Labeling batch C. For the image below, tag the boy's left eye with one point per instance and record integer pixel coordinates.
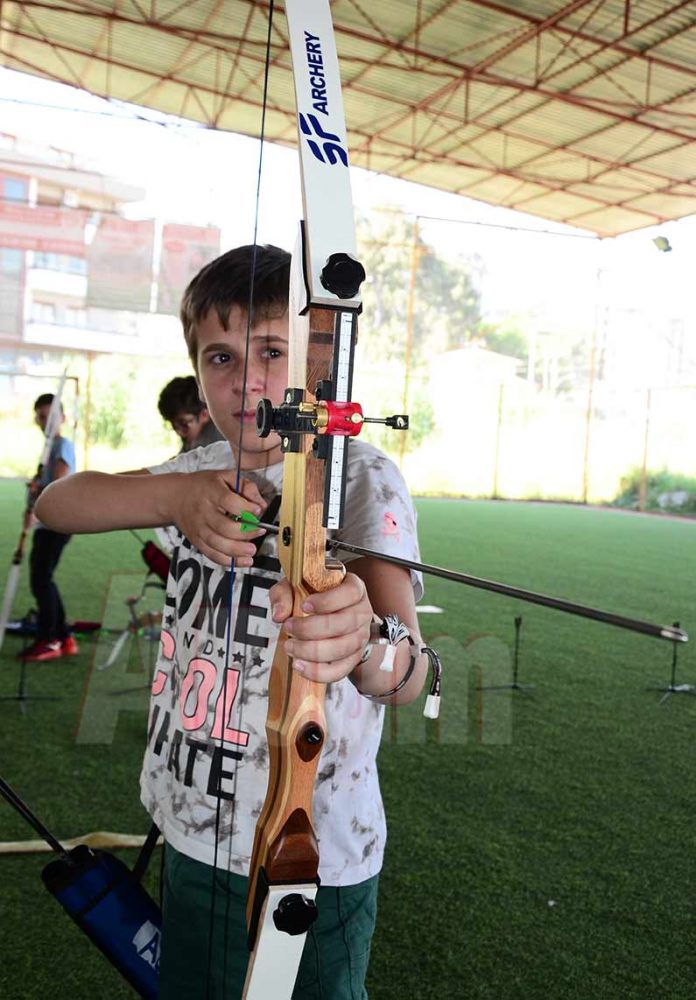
(272, 353)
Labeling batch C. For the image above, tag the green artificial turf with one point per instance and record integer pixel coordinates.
(541, 841)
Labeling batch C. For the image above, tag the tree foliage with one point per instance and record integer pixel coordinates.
(404, 271)
(504, 339)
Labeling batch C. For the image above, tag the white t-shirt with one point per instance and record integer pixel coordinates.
(185, 765)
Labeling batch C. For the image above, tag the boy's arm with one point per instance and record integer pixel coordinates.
(198, 503)
(98, 501)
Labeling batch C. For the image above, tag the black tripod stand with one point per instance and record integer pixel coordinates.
(515, 684)
(22, 697)
(673, 687)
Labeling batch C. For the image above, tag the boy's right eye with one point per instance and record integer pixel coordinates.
(220, 358)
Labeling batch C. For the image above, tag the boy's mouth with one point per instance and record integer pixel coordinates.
(245, 415)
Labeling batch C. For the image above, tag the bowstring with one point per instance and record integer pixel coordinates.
(239, 694)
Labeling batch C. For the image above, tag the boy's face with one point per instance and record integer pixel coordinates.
(220, 364)
(41, 416)
(189, 425)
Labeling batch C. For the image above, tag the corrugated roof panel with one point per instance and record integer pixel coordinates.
(502, 150)
(458, 179)
(648, 21)
(678, 163)
(465, 31)
(425, 86)
(638, 86)
(505, 104)
(619, 190)
(637, 179)
(609, 221)
(557, 205)
(682, 204)
(563, 123)
(558, 167)
(502, 190)
(679, 48)
(624, 142)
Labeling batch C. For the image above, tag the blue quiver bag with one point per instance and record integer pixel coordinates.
(106, 900)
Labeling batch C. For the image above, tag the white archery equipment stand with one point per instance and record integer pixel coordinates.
(329, 228)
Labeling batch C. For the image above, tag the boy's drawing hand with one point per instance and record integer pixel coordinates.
(201, 511)
(328, 643)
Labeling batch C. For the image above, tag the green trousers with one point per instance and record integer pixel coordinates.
(205, 957)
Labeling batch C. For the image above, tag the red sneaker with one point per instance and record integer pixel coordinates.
(69, 647)
(40, 651)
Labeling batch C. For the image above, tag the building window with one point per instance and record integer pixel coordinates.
(75, 316)
(60, 262)
(15, 189)
(11, 261)
(43, 312)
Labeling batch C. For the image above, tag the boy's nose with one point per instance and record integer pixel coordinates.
(255, 380)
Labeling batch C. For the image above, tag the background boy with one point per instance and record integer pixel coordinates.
(180, 404)
(205, 797)
(53, 638)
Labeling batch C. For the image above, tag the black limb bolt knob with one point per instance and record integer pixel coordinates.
(295, 914)
(264, 417)
(343, 275)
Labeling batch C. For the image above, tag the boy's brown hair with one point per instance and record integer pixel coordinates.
(255, 278)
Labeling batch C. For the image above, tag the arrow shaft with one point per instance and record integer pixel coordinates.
(671, 632)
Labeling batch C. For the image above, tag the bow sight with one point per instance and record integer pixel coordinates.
(324, 418)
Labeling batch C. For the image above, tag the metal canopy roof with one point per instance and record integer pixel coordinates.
(582, 112)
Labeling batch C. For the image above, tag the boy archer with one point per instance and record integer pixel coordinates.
(188, 771)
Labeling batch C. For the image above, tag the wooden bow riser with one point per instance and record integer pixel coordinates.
(285, 846)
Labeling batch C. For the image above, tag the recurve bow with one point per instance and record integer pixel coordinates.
(315, 421)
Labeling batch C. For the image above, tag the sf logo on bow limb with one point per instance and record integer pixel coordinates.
(325, 145)
(330, 150)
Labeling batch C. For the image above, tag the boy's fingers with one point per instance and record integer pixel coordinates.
(328, 626)
(218, 545)
(232, 503)
(223, 523)
(223, 557)
(325, 673)
(348, 593)
(326, 651)
(250, 491)
(280, 596)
